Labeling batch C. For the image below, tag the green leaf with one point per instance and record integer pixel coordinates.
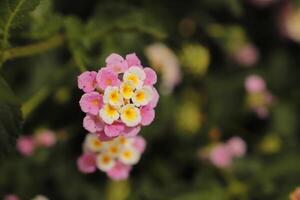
(10, 118)
(12, 14)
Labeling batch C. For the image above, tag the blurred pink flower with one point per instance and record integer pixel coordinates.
(255, 83)
(91, 103)
(86, 163)
(220, 156)
(236, 146)
(25, 145)
(119, 172)
(164, 60)
(116, 63)
(247, 55)
(93, 123)
(46, 138)
(106, 77)
(87, 81)
(11, 197)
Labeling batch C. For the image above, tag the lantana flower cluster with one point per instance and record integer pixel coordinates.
(259, 98)
(114, 157)
(119, 98)
(26, 145)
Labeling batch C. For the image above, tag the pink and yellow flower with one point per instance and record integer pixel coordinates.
(122, 100)
(91, 103)
(87, 81)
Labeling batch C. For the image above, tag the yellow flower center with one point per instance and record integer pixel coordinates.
(127, 154)
(130, 114)
(133, 78)
(114, 96)
(111, 111)
(106, 159)
(97, 143)
(113, 149)
(140, 96)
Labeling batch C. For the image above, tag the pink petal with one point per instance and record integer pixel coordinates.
(106, 77)
(87, 81)
(132, 60)
(148, 115)
(91, 103)
(86, 163)
(93, 123)
(114, 129)
(103, 137)
(119, 67)
(155, 98)
(131, 131)
(119, 172)
(139, 144)
(113, 58)
(151, 77)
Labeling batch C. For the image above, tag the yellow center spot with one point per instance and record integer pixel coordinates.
(97, 143)
(111, 110)
(105, 159)
(133, 78)
(127, 154)
(123, 141)
(114, 96)
(140, 96)
(130, 114)
(114, 150)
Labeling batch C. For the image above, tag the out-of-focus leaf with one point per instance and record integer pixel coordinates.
(45, 22)
(10, 118)
(12, 14)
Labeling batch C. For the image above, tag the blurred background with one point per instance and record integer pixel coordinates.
(228, 76)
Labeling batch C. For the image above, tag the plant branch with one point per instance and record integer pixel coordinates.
(32, 49)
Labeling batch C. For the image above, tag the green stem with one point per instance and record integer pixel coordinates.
(32, 49)
(35, 101)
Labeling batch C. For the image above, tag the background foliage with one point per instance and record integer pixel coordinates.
(45, 44)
